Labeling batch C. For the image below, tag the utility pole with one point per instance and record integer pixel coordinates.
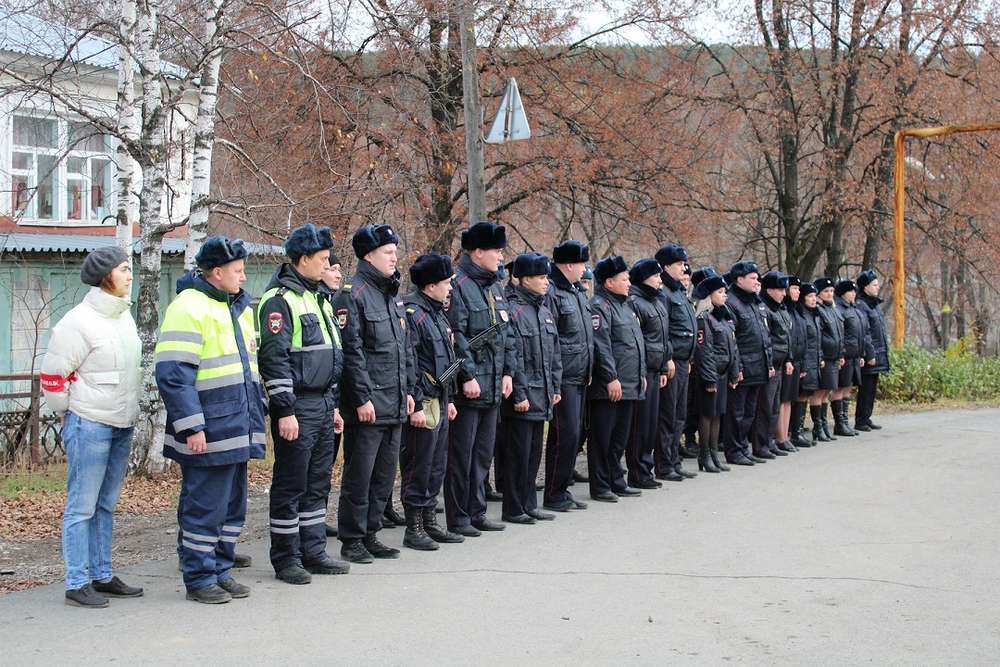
(473, 112)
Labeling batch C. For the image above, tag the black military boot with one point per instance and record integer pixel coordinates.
(798, 425)
(703, 460)
(355, 552)
(816, 413)
(437, 532)
(377, 549)
(840, 426)
(415, 537)
(390, 517)
(824, 422)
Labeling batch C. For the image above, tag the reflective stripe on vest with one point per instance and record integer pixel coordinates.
(304, 304)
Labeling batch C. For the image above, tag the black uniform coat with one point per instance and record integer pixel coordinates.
(378, 359)
(571, 310)
(797, 353)
(682, 321)
(752, 336)
(857, 340)
(310, 371)
(470, 313)
(779, 322)
(655, 322)
(619, 347)
(831, 331)
(869, 305)
(716, 356)
(430, 335)
(539, 375)
(813, 348)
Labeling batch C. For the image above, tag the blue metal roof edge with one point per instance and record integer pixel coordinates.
(82, 243)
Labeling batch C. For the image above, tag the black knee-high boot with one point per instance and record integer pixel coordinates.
(797, 431)
(824, 422)
(816, 413)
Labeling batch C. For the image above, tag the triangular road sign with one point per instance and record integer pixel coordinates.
(510, 124)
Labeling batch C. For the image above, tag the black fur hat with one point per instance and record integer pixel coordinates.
(570, 252)
(866, 277)
(370, 237)
(774, 280)
(807, 288)
(845, 286)
(430, 269)
(530, 264)
(670, 254)
(822, 283)
(710, 282)
(794, 281)
(484, 235)
(218, 250)
(687, 269)
(609, 267)
(701, 274)
(307, 240)
(743, 268)
(643, 269)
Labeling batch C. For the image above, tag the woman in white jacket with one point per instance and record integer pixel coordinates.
(90, 375)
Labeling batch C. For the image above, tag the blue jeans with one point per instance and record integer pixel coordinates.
(97, 458)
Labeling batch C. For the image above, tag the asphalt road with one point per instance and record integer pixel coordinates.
(881, 549)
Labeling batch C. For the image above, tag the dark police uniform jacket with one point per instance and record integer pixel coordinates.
(813, 348)
(716, 355)
(619, 347)
(869, 305)
(831, 331)
(316, 367)
(569, 306)
(655, 322)
(539, 375)
(779, 322)
(682, 320)
(476, 304)
(752, 336)
(797, 352)
(857, 339)
(378, 359)
(430, 336)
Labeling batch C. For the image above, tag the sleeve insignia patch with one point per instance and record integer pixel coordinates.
(701, 338)
(275, 323)
(595, 320)
(342, 317)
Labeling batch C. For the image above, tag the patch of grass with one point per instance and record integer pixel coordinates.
(929, 377)
(23, 483)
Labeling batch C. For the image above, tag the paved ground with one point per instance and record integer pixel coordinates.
(881, 549)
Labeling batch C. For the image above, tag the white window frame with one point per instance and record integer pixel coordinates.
(61, 177)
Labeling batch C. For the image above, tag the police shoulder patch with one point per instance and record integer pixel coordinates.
(275, 322)
(701, 337)
(503, 315)
(595, 320)
(342, 317)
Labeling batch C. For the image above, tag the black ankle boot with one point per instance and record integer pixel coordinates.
(390, 517)
(798, 424)
(437, 532)
(823, 421)
(816, 413)
(415, 537)
(703, 460)
(715, 459)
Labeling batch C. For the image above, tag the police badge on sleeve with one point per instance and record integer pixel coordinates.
(342, 317)
(275, 323)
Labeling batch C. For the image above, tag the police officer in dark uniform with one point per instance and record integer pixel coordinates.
(754, 343)
(619, 380)
(300, 364)
(500, 449)
(569, 304)
(791, 391)
(423, 453)
(645, 297)
(673, 398)
(479, 320)
(857, 348)
(832, 347)
(779, 324)
(378, 378)
(536, 388)
(868, 303)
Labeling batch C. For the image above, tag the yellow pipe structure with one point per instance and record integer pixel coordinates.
(899, 195)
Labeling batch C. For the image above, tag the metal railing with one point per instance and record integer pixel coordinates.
(28, 431)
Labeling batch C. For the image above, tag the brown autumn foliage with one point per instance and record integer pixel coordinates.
(779, 148)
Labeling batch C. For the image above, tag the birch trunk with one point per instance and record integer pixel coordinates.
(127, 212)
(151, 231)
(204, 136)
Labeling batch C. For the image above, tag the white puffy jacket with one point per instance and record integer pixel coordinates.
(92, 364)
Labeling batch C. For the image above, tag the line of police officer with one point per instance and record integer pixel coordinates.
(431, 381)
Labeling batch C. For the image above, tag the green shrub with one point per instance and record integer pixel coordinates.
(924, 376)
